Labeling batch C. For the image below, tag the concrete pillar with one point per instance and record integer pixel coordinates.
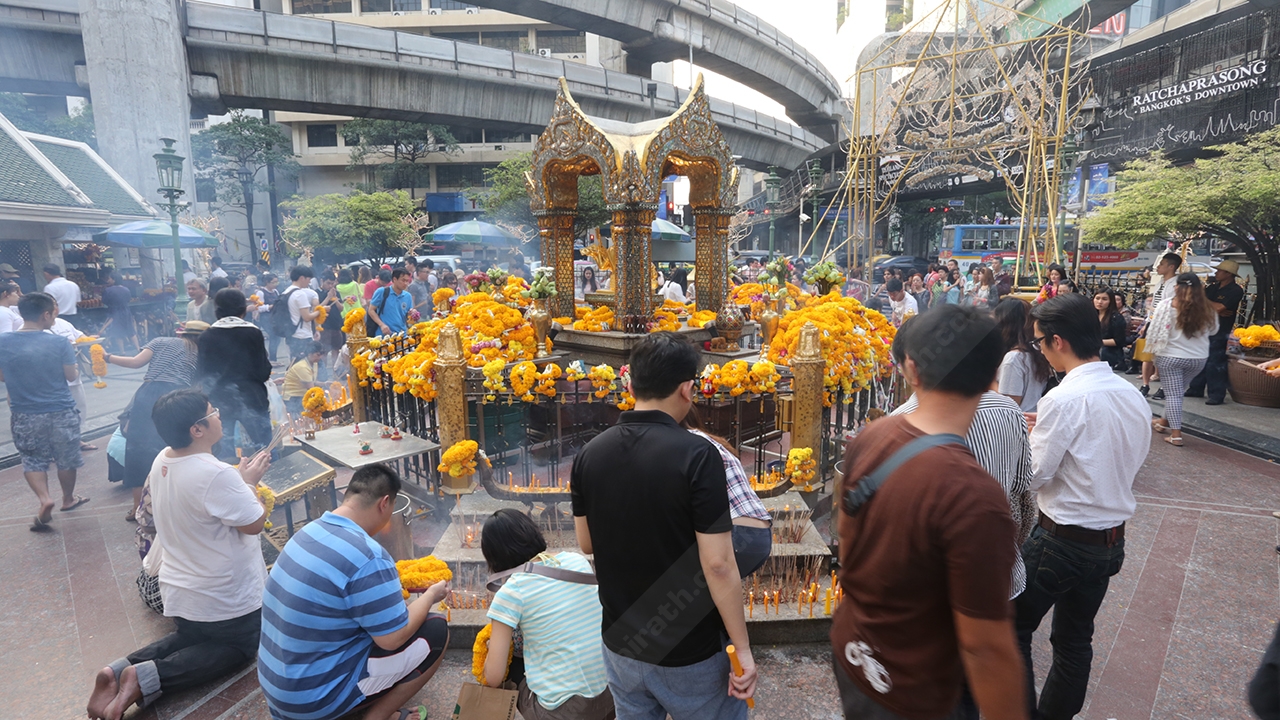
(136, 61)
(712, 237)
(632, 242)
(555, 227)
(808, 367)
(451, 401)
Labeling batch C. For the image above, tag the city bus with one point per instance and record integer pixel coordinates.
(972, 244)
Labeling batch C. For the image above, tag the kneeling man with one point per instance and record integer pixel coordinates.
(336, 633)
(207, 517)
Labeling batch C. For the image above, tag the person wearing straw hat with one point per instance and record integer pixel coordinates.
(1225, 295)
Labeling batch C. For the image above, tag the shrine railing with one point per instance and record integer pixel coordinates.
(407, 412)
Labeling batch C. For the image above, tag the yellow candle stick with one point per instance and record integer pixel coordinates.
(826, 603)
(751, 604)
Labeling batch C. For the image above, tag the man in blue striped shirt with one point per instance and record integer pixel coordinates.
(336, 634)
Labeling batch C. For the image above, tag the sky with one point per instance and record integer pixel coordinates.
(812, 24)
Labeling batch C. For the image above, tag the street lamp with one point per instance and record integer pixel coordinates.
(169, 168)
(817, 178)
(771, 185)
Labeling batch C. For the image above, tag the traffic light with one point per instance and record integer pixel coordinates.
(671, 209)
(932, 209)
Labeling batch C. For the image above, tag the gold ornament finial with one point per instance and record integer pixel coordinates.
(449, 347)
(810, 345)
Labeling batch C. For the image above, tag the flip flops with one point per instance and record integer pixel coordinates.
(1159, 427)
(78, 501)
(1174, 441)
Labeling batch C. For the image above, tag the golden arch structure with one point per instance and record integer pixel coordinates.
(632, 159)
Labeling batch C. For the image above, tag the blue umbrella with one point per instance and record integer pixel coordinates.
(663, 230)
(474, 232)
(154, 234)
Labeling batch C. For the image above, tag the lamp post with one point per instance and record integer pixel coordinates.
(169, 168)
(245, 175)
(817, 177)
(771, 185)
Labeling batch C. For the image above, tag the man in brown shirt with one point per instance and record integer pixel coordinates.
(926, 560)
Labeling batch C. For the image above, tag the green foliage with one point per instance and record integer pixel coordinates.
(506, 200)
(1233, 195)
(244, 142)
(362, 224)
(394, 147)
(78, 126)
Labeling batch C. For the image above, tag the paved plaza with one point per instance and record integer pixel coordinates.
(1179, 635)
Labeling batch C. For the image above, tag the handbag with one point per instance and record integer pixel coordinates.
(855, 497)
(1140, 353)
(481, 702)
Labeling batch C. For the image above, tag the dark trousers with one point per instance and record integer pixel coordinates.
(273, 344)
(1071, 578)
(198, 652)
(1214, 374)
(857, 705)
(751, 547)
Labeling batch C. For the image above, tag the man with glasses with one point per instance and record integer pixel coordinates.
(651, 502)
(207, 516)
(1089, 437)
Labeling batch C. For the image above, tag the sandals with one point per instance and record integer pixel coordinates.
(77, 502)
(1158, 427)
(1174, 441)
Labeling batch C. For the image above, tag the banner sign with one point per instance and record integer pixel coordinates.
(1219, 83)
(1099, 186)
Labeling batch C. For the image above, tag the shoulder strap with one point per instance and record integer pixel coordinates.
(857, 496)
(497, 580)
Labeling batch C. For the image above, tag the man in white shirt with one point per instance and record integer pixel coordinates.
(67, 330)
(1089, 437)
(65, 292)
(901, 303)
(1166, 279)
(303, 302)
(216, 271)
(207, 516)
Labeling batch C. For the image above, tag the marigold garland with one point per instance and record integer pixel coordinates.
(268, 498)
(323, 313)
(523, 376)
(626, 401)
(575, 372)
(665, 320)
(354, 318)
(597, 320)
(602, 378)
(99, 357)
(701, 318)
(1255, 335)
(422, 573)
(801, 467)
(493, 378)
(460, 459)
(480, 654)
(441, 297)
(763, 378)
(855, 343)
(314, 404)
(547, 380)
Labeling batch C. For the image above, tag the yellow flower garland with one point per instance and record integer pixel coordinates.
(701, 318)
(99, 357)
(480, 654)
(763, 378)
(323, 313)
(598, 320)
(523, 376)
(354, 318)
(314, 404)
(547, 380)
(602, 378)
(665, 320)
(1255, 335)
(460, 459)
(493, 380)
(422, 573)
(801, 467)
(855, 343)
(268, 498)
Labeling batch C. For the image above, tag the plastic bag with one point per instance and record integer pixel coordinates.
(277, 405)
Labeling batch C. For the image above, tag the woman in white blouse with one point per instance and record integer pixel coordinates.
(674, 289)
(1179, 338)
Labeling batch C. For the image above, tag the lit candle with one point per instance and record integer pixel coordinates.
(777, 599)
(751, 604)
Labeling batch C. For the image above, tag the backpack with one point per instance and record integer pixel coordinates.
(282, 324)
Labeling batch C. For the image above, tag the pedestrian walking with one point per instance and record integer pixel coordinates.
(926, 542)
(1179, 335)
(1166, 273)
(10, 294)
(267, 296)
(1225, 295)
(65, 329)
(1088, 440)
(171, 365)
(35, 367)
(650, 501)
(232, 367)
(301, 302)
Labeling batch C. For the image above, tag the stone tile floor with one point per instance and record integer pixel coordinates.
(1182, 629)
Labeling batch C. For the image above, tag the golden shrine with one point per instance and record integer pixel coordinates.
(632, 159)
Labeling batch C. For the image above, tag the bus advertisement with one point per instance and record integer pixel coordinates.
(972, 244)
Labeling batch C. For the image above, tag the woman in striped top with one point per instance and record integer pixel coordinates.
(559, 620)
(171, 365)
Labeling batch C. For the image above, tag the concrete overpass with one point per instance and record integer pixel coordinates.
(724, 38)
(241, 58)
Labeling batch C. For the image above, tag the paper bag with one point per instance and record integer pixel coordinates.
(479, 702)
(1140, 351)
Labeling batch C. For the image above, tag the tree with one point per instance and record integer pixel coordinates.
(506, 200)
(1233, 195)
(76, 126)
(241, 156)
(359, 224)
(394, 147)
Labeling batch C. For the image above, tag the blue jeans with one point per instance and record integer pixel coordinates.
(1071, 578)
(751, 547)
(700, 691)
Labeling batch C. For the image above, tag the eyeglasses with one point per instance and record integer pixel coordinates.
(216, 413)
(1035, 342)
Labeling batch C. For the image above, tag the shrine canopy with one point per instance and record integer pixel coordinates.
(632, 159)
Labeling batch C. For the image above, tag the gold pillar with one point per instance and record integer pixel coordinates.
(808, 367)
(555, 227)
(356, 343)
(451, 399)
(632, 233)
(712, 231)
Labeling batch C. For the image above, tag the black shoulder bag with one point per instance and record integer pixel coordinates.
(497, 580)
(852, 499)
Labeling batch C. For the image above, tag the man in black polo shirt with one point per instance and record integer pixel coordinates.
(1224, 295)
(651, 502)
